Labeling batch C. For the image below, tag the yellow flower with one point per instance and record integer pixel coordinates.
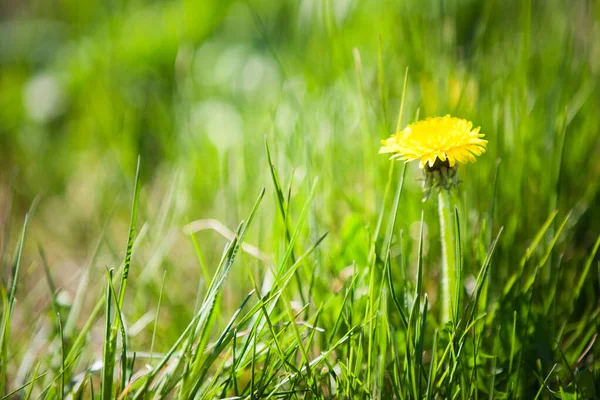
(444, 138)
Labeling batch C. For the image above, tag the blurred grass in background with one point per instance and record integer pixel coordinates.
(194, 87)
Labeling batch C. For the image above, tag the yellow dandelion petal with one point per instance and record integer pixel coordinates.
(445, 138)
(431, 159)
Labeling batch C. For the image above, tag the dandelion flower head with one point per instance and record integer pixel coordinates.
(449, 139)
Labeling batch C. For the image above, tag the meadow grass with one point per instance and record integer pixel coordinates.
(199, 211)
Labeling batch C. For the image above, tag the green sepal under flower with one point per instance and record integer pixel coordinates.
(440, 176)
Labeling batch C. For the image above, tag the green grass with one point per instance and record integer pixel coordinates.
(262, 248)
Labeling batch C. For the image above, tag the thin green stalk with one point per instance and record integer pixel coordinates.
(448, 258)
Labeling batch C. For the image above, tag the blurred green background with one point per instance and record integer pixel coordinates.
(194, 87)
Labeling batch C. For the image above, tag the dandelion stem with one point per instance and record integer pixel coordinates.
(448, 258)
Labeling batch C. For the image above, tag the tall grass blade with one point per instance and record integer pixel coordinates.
(9, 302)
(586, 269)
(108, 360)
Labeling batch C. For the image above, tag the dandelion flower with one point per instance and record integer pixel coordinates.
(447, 139)
(441, 143)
